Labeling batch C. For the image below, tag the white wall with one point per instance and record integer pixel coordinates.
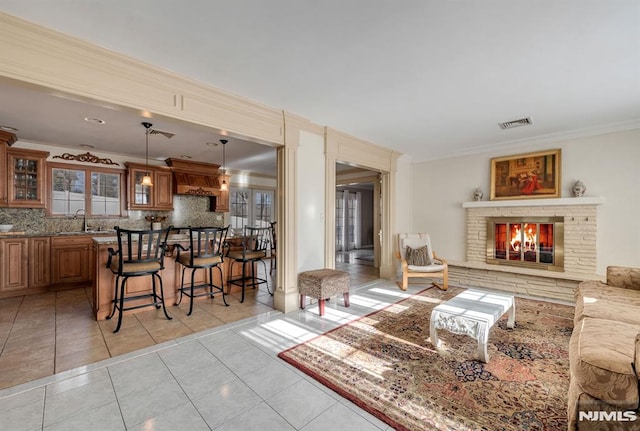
(609, 166)
(310, 176)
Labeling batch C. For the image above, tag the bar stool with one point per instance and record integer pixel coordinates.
(205, 251)
(140, 253)
(255, 242)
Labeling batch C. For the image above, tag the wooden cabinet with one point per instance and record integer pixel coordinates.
(163, 190)
(26, 178)
(24, 264)
(71, 260)
(156, 197)
(13, 264)
(3, 177)
(39, 262)
(6, 139)
(220, 202)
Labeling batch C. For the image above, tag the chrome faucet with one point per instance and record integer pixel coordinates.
(84, 218)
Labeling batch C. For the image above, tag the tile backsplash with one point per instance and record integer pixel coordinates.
(187, 211)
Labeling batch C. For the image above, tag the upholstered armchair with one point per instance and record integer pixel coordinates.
(417, 259)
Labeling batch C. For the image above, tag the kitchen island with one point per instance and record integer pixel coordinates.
(103, 287)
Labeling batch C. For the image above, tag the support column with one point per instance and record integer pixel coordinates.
(286, 297)
(286, 292)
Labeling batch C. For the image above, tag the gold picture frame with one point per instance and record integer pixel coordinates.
(526, 176)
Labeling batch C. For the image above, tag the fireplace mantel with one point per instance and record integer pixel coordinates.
(589, 200)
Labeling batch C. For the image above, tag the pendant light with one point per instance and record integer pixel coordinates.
(223, 187)
(146, 179)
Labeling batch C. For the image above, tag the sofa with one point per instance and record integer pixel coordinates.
(604, 363)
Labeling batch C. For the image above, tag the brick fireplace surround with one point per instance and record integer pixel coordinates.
(580, 233)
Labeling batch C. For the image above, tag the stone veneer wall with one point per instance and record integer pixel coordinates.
(580, 233)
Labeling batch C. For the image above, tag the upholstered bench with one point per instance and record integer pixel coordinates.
(323, 284)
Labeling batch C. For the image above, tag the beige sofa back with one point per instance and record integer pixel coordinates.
(623, 276)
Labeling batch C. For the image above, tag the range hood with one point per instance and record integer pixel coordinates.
(195, 178)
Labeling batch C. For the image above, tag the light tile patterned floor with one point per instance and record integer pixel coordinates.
(226, 377)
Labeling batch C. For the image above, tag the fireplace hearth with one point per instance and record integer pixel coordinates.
(531, 242)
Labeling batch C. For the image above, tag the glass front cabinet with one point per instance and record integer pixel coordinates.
(156, 197)
(26, 178)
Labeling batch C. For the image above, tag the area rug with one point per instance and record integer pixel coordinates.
(385, 363)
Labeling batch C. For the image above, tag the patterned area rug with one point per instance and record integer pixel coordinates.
(385, 363)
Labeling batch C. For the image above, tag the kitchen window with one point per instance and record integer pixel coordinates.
(98, 192)
(251, 207)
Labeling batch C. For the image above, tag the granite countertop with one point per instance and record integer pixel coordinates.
(173, 239)
(22, 234)
(99, 237)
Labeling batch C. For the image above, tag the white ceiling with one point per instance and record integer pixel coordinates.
(429, 78)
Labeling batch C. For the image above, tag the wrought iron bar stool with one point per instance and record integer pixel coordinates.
(205, 251)
(140, 253)
(255, 242)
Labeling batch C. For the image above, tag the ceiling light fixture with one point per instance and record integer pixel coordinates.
(8, 129)
(224, 186)
(94, 120)
(146, 180)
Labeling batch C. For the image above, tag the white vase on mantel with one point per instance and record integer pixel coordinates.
(578, 189)
(477, 194)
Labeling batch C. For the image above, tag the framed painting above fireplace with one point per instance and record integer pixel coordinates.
(525, 176)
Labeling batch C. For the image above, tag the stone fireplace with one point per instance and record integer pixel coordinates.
(537, 247)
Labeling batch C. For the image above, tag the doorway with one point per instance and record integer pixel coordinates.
(356, 218)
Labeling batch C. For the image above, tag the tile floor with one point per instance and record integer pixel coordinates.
(54, 332)
(175, 374)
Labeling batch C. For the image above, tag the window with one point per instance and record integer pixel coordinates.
(105, 193)
(339, 220)
(97, 191)
(252, 207)
(263, 208)
(348, 213)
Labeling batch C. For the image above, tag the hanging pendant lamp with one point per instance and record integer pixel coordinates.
(146, 180)
(224, 186)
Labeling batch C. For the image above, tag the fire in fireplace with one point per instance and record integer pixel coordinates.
(534, 242)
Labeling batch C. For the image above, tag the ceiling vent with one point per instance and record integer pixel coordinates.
(160, 132)
(516, 123)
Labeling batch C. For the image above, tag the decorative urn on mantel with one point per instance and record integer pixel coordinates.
(578, 189)
(477, 194)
